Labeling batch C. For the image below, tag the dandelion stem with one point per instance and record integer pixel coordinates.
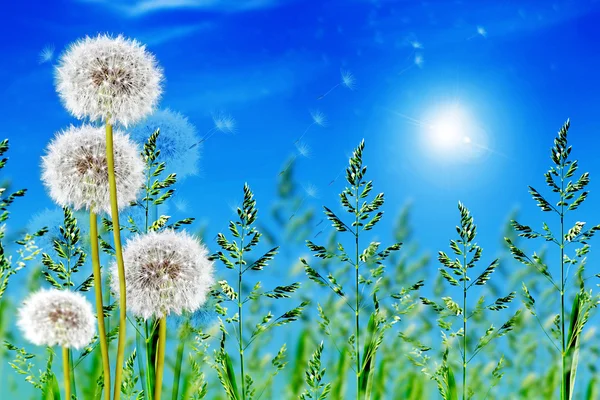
(66, 372)
(112, 183)
(99, 305)
(160, 361)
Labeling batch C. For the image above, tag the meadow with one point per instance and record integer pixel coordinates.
(130, 286)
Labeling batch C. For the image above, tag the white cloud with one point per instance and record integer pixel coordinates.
(138, 8)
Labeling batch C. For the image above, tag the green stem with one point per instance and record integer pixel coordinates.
(99, 305)
(240, 313)
(160, 361)
(150, 358)
(66, 373)
(178, 363)
(73, 385)
(564, 392)
(464, 394)
(141, 359)
(357, 310)
(114, 208)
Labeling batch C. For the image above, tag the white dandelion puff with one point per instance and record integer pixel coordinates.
(75, 169)
(176, 141)
(57, 317)
(347, 79)
(165, 272)
(109, 78)
(47, 54)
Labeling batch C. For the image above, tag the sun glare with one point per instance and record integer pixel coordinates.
(452, 133)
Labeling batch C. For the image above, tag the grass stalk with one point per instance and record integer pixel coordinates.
(357, 294)
(178, 363)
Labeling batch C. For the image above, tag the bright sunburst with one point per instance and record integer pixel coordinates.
(451, 132)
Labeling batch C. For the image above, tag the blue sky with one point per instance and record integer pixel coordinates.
(519, 71)
(515, 71)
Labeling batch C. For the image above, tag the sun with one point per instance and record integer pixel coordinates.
(451, 132)
(449, 129)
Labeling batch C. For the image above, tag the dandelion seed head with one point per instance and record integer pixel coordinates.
(47, 54)
(224, 123)
(110, 78)
(75, 169)
(165, 272)
(348, 79)
(177, 141)
(57, 317)
(319, 118)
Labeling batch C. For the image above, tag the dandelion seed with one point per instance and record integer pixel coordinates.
(310, 191)
(222, 123)
(75, 169)
(47, 54)
(319, 118)
(177, 141)
(419, 60)
(303, 149)
(416, 45)
(481, 31)
(57, 317)
(347, 80)
(181, 205)
(109, 78)
(165, 272)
